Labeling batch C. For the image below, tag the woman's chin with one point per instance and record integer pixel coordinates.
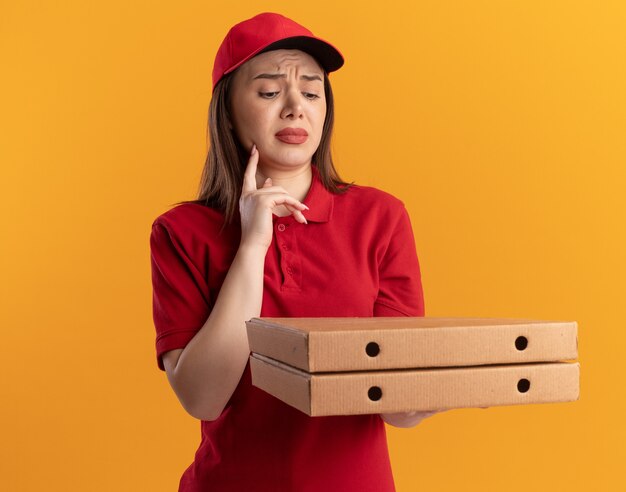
(289, 158)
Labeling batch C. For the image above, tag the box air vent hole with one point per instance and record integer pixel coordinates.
(375, 393)
(372, 349)
(521, 343)
(523, 385)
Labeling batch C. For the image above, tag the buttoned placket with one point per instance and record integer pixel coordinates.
(285, 235)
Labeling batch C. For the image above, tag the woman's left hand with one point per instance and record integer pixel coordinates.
(407, 419)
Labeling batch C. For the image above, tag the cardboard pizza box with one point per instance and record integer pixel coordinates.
(391, 391)
(373, 344)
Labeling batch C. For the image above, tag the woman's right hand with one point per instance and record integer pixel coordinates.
(256, 206)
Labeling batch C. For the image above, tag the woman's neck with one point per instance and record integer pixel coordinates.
(296, 182)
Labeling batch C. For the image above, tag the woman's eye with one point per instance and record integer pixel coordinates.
(270, 95)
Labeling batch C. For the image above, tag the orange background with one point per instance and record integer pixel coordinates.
(500, 124)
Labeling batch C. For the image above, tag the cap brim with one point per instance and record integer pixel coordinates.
(325, 53)
(329, 57)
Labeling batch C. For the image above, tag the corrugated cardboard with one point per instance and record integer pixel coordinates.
(372, 344)
(423, 389)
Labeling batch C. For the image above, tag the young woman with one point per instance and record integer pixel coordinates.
(275, 232)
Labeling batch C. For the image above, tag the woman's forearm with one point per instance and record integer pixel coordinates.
(211, 365)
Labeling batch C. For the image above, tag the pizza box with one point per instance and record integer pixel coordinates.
(391, 391)
(380, 343)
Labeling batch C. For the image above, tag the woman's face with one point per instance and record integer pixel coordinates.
(276, 90)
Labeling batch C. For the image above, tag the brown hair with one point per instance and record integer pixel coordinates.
(222, 176)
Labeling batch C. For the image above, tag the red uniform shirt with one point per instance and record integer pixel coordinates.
(355, 257)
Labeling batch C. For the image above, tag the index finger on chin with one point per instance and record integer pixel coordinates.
(249, 176)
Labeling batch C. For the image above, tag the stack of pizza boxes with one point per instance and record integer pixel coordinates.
(349, 366)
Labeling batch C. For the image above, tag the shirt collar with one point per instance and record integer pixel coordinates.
(318, 199)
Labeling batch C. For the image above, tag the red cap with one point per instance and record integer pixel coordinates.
(270, 31)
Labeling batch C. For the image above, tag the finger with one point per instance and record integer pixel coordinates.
(273, 189)
(273, 199)
(298, 208)
(287, 201)
(267, 189)
(297, 214)
(249, 176)
(294, 205)
(268, 183)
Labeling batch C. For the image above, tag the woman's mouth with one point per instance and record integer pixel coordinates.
(292, 135)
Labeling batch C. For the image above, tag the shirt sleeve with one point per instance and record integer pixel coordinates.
(400, 284)
(180, 294)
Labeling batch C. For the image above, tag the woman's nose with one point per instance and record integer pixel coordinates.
(293, 106)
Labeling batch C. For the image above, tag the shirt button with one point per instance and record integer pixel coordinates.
(285, 247)
(281, 227)
(289, 270)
